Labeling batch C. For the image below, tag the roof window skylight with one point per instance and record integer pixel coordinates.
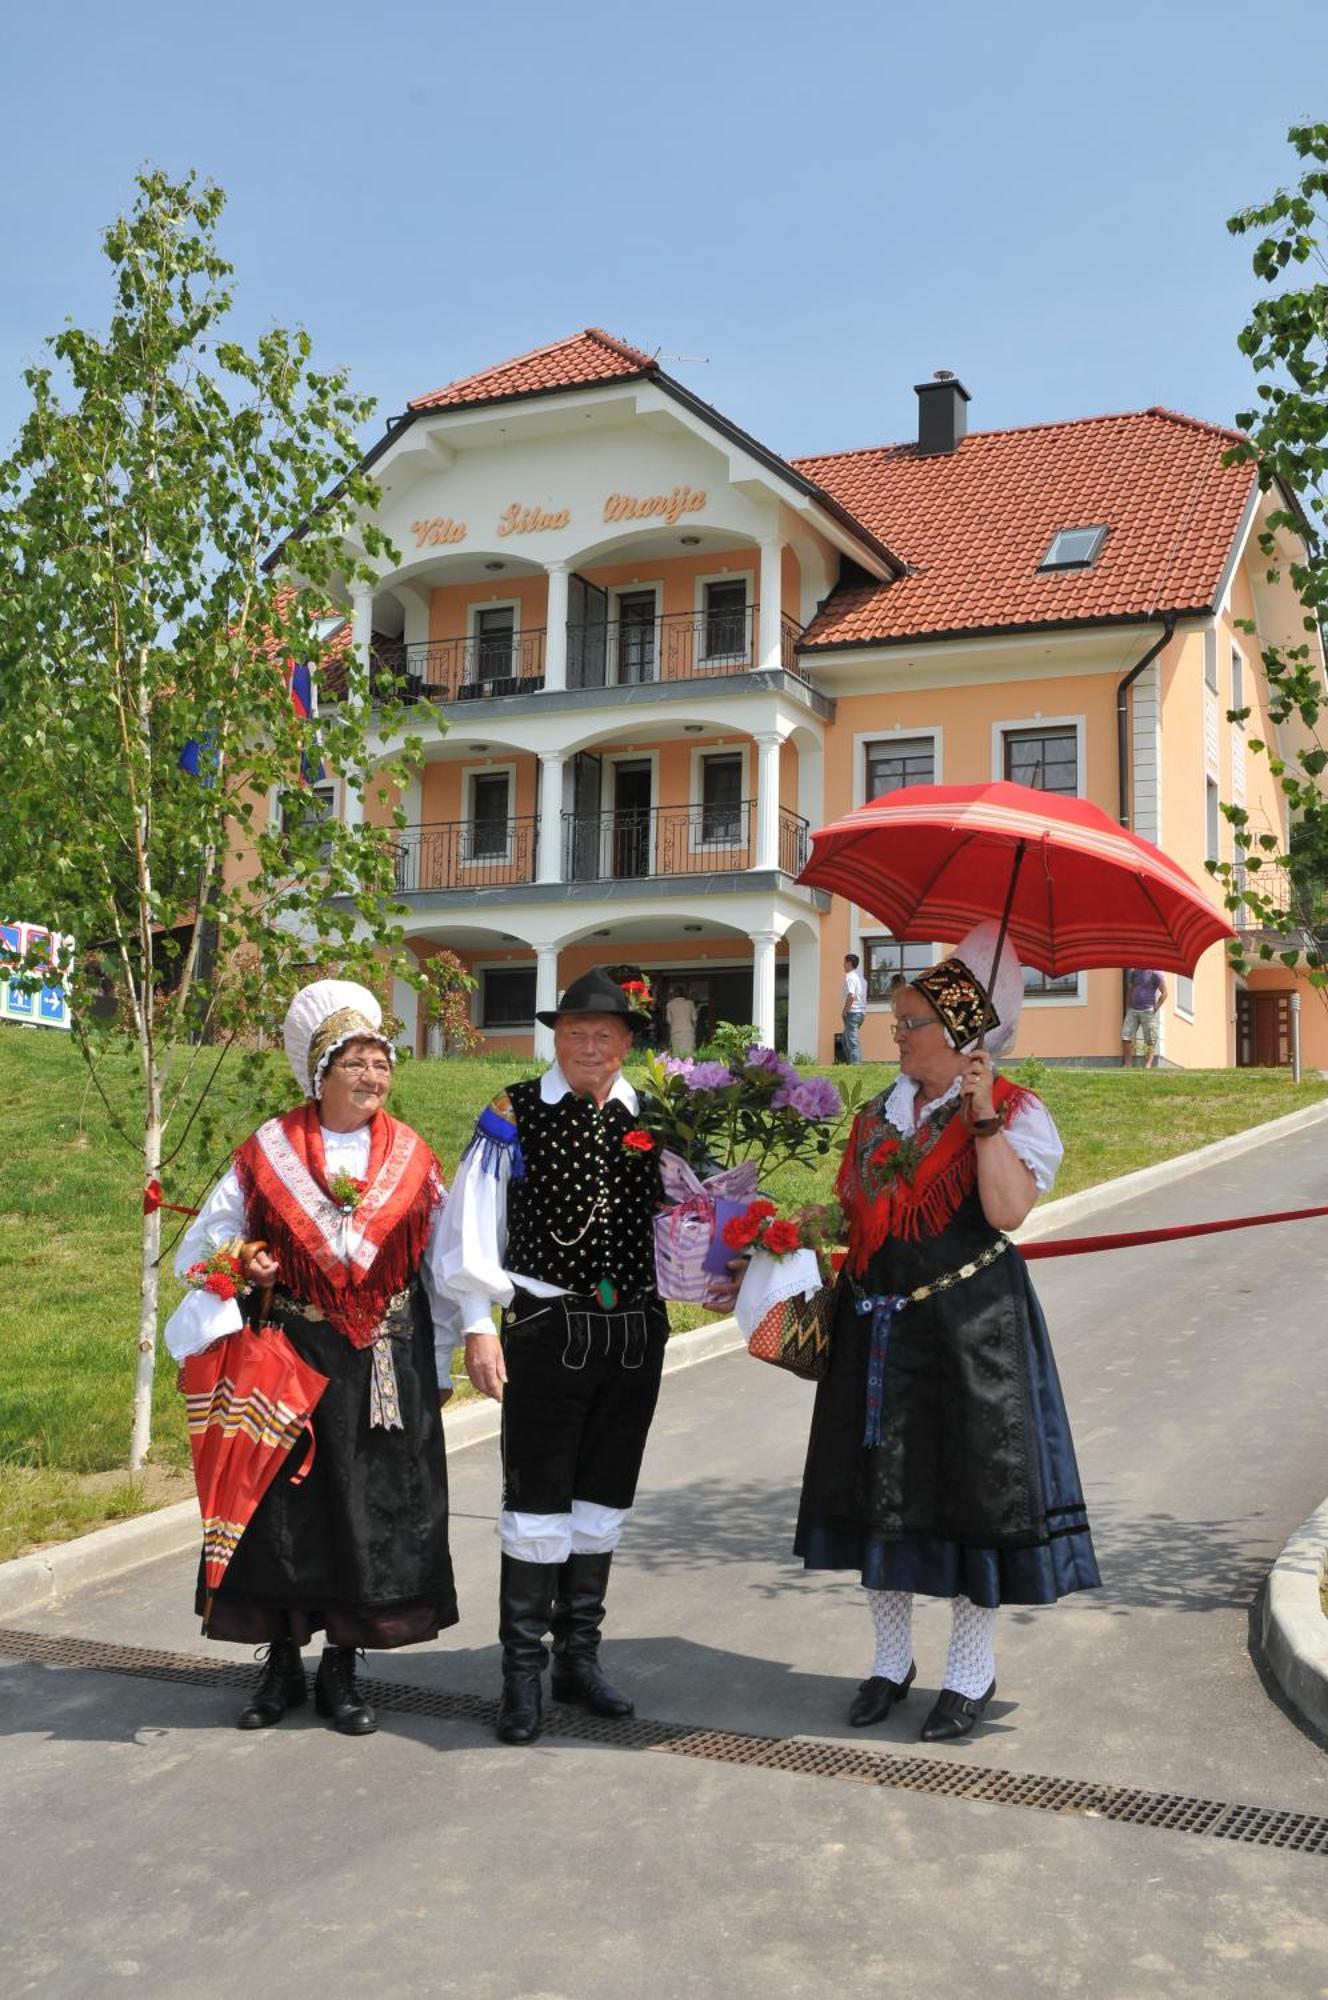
(1074, 548)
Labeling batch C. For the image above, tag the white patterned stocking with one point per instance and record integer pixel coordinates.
(892, 1616)
(971, 1667)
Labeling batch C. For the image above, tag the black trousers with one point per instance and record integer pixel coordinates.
(582, 1385)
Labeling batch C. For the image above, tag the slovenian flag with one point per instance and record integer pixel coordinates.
(304, 700)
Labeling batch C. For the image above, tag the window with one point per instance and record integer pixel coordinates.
(507, 997)
(1212, 822)
(1210, 661)
(724, 622)
(636, 636)
(1237, 679)
(1185, 996)
(899, 761)
(1074, 548)
(310, 805)
(887, 959)
(1042, 986)
(1047, 759)
(721, 800)
(488, 831)
(495, 640)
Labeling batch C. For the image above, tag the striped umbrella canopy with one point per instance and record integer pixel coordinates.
(1073, 889)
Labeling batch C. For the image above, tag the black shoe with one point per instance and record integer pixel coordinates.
(525, 1608)
(578, 1616)
(954, 1715)
(876, 1697)
(337, 1696)
(282, 1686)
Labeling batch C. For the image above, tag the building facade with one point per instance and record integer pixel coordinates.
(664, 654)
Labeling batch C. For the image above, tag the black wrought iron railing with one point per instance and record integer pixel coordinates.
(675, 646)
(794, 842)
(472, 669)
(673, 840)
(466, 854)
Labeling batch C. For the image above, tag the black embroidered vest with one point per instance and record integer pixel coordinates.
(584, 1208)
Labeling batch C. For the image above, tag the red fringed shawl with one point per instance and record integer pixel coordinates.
(347, 1266)
(891, 1184)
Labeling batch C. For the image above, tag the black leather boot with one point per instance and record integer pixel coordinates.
(578, 1615)
(282, 1686)
(525, 1606)
(337, 1696)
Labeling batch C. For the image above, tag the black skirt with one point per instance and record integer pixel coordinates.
(358, 1548)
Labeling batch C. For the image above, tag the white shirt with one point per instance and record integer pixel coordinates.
(1031, 1132)
(474, 1229)
(199, 1319)
(855, 992)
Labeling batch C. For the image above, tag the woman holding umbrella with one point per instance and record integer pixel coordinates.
(335, 1206)
(940, 1458)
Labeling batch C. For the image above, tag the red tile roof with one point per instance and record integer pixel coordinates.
(589, 356)
(973, 526)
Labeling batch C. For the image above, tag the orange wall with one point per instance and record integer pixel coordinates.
(451, 603)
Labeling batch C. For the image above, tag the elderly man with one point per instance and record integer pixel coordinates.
(551, 1217)
(336, 1207)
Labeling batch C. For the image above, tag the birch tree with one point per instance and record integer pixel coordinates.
(146, 724)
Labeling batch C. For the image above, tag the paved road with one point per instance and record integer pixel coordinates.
(161, 1849)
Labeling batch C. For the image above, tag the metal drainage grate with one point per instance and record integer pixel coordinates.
(1173, 1812)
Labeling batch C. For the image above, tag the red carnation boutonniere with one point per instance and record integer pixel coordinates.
(347, 1192)
(638, 1140)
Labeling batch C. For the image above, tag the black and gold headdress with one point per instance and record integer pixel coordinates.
(960, 998)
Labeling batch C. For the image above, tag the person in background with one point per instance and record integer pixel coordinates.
(344, 1203)
(680, 1014)
(855, 1007)
(940, 1460)
(1145, 992)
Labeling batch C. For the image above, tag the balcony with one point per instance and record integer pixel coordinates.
(650, 845)
(465, 854)
(615, 652)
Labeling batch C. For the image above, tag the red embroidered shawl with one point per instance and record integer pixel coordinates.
(893, 1184)
(348, 1266)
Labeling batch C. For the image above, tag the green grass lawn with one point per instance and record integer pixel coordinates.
(70, 1219)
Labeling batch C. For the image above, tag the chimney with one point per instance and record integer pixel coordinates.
(942, 414)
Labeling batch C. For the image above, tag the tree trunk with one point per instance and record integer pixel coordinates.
(149, 1283)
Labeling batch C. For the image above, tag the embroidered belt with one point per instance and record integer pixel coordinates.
(384, 1395)
(882, 1308)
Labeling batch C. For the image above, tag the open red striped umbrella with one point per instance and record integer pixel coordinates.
(249, 1399)
(1076, 889)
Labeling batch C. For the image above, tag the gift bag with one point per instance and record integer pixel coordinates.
(690, 1252)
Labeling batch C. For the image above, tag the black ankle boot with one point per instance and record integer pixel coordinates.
(336, 1695)
(578, 1616)
(282, 1686)
(525, 1606)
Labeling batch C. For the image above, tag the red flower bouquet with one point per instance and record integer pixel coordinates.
(222, 1274)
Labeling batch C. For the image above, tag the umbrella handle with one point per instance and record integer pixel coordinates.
(1021, 848)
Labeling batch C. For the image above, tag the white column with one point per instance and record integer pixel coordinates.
(763, 984)
(551, 817)
(767, 799)
(555, 622)
(546, 997)
(406, 1007)
(804, 991)
(361, 627)
(772, 583)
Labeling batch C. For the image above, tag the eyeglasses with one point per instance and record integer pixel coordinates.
(356, 1068)
(906, 1024)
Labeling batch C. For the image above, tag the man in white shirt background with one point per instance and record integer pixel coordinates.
(855, 1007)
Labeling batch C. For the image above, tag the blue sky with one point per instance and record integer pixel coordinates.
(827, 202)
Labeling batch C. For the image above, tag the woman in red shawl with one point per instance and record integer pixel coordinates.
(351, 1537)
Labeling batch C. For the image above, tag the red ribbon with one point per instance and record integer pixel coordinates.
(1130, 1239)
(152, 1201)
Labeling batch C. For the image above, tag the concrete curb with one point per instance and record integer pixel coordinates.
(29, 1582)
(1295, 1631)
(1107, 1194)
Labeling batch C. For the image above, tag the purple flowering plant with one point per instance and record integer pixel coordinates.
(753, 1106)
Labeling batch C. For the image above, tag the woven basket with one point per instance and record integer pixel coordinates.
(795, 1334)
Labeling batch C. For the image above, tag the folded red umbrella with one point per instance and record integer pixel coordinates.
(249, 1400)
(1076, 889)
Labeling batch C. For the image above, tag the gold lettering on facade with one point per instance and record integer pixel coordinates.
(441, 528)
(672, 506)
(519, 520)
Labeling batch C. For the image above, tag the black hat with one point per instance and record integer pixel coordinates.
(594, 993)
